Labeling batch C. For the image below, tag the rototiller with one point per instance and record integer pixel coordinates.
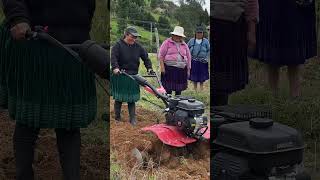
(184, 119)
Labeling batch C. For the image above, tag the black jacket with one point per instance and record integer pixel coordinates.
(127, 57)
(69, 21)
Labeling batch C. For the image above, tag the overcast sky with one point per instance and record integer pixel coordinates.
(206, 6)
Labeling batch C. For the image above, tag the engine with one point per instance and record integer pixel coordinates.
(187, 114)
(251, 146)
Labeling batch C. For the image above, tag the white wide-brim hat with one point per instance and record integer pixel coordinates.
(178, 31)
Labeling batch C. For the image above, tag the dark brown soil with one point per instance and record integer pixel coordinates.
(93, 157)
(172, 163)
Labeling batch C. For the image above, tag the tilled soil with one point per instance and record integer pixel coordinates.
(160, 161)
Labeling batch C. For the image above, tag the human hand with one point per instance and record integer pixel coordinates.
(116, 71)
(19, 31)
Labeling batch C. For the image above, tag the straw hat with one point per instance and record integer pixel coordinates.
(178, 31)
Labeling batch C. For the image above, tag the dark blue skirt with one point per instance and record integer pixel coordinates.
(286, 33)
(229, 68)
(175, 79)
(199, 71)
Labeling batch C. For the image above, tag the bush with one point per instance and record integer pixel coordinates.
(164, 26)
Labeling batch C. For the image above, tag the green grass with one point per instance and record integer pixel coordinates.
(115, 168)
(301, 113)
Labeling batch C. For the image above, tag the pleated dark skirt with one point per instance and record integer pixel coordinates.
(286, 33)
(229, 68)
(175, 79)
(199, 71)
(45, 87)
(124, 89)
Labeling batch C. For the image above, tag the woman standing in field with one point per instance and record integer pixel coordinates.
(200, 51)
(125, 55)
(175, 62)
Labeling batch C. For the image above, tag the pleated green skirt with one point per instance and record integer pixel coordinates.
(124, 89)
(4, 45)
(44, 85)
(3, 97)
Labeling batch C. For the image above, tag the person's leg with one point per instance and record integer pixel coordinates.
(294, 73)
(24, 139)
(68, 142)
(178, 93)
(132, 113)
(201, 86)
(195, 86)
(273, 78)
(117, 110)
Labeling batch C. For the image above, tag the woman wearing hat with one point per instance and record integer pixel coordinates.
(200, 48)
(125, 56)
(175, 62)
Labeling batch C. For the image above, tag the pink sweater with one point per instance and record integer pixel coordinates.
(252, 10)
(169, 52)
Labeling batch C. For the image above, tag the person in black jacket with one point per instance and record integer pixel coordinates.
(125, 55)
(46, 87)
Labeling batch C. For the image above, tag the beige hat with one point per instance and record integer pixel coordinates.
(178, 31)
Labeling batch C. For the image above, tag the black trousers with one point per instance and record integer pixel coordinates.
(68, 142)
(131, 108)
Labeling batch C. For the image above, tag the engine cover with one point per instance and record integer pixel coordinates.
(192, 106)
(262, 140)
(225, 166)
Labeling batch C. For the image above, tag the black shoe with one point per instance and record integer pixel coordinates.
(132, 113)
(133, 121)
(117, 110)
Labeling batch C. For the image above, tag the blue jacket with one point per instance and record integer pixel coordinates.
(201, 50)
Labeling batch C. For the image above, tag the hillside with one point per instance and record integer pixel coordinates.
(148, 14)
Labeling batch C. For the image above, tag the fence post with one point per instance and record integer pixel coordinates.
(151, 34)
(318, 26)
